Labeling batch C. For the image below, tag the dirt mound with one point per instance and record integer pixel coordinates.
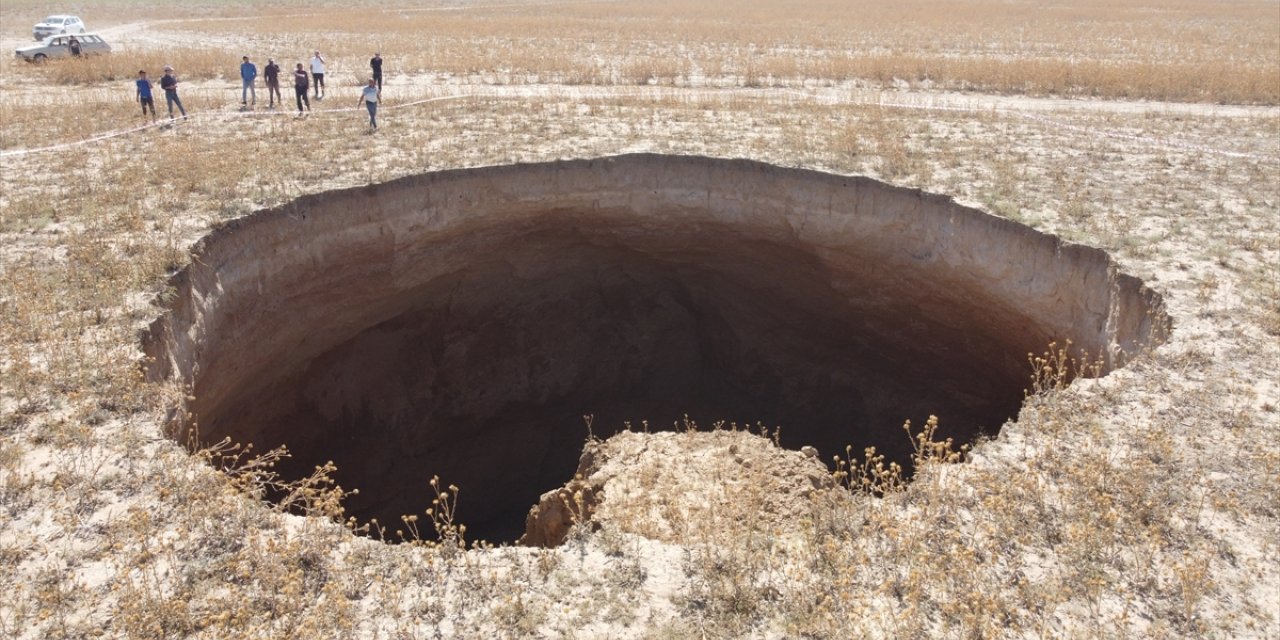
(680, 487)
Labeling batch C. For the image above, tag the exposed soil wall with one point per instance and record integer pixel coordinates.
(462, 323)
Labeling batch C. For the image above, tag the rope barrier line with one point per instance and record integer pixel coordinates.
(603, 93)
(68, 145)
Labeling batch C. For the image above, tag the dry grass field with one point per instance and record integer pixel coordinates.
(1140, 504)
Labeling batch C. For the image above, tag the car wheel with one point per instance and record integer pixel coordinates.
(39, 58)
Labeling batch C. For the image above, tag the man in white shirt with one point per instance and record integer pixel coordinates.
(370, 99)
(317, 74)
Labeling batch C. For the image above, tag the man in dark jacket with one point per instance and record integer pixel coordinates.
(170, 85)
(375, 63)
(272, 74)
(300, 85)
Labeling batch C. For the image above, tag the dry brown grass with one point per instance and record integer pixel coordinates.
(123, 69)
(1137, 505)
(1167, 50)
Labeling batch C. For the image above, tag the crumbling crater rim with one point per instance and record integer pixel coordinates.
(417, 306)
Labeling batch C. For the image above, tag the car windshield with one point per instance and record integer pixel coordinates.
(53, 20)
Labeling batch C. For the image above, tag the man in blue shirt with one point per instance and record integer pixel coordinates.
(248, 73)
(144, 95)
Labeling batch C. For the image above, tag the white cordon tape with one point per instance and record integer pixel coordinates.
(68, 145)
(602, 93)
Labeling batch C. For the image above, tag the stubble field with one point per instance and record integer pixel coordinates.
(1140, 504)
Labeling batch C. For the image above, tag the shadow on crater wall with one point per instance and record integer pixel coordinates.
(462, 323)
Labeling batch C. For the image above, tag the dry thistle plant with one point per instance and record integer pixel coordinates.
(871, 475)
(1054, 369)
(314, 495)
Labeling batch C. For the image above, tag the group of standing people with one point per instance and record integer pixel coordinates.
(302, 84)
(168, 84)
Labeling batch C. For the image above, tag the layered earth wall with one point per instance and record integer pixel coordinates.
(461, 323)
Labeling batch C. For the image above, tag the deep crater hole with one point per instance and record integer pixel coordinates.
(462, 323)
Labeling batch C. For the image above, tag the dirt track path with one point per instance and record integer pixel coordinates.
(408, 92)
(405, 91)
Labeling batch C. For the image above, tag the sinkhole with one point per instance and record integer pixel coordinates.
(461, 323)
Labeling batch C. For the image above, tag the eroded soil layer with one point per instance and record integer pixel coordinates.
(462, 323)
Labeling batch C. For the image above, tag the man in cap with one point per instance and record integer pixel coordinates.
(170, 85)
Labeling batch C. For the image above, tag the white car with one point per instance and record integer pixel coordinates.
(60, 47)
(57, 25)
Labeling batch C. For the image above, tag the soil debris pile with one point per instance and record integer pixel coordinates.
(680, 487)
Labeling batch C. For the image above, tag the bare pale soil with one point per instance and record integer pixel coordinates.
(1140, 504)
